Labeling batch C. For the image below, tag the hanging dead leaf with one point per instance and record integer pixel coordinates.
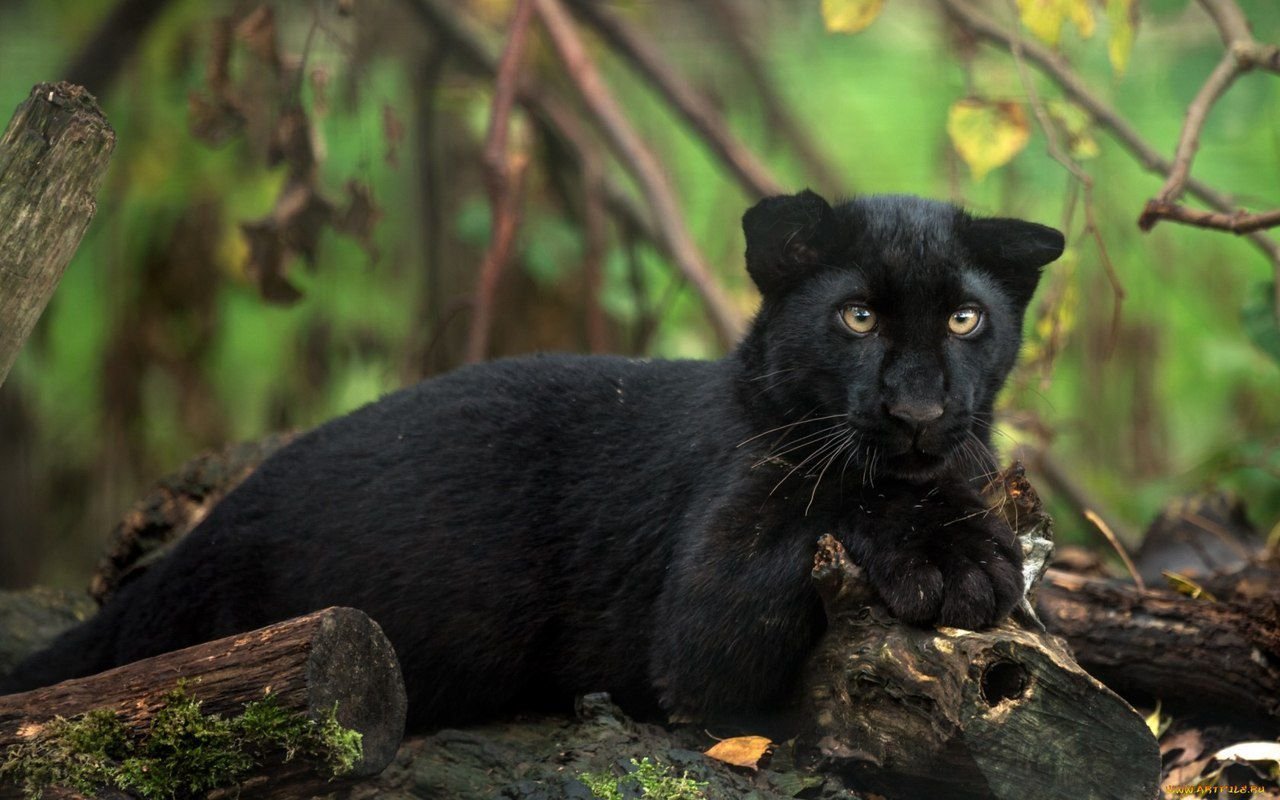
(1182, 747)
(1122, 18)
(215, 116)
(258, 32)
(291, 143)
(266, 262)
(849, 16)
(1045, 18)
(741, 751)
(360, 216)
(987, 134)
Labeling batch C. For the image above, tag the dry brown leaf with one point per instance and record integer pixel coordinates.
(258, 32)
(741, 751)
(1188, 742)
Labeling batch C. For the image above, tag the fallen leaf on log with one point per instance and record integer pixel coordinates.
(741, 751)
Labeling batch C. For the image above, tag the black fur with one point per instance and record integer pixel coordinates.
(535, 528)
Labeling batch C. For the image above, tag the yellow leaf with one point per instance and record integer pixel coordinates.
(1081, 15)
(1183, 585)
(1077, 125)
(849, 16)
(1157, 723)
(987, 134)
(1122, 15)
(741, 751)
(1045, 18)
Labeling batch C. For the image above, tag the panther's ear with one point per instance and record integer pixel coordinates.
(787, 236)
(1013, 251)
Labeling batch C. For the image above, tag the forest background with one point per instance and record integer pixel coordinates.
(296, 216)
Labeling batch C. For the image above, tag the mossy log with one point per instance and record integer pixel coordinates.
(1003, 713)
(337, 658)
(52, 158)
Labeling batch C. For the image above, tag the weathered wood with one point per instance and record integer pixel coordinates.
(1003, 713)
(312, 663)
(1222, 657)
(52, 159)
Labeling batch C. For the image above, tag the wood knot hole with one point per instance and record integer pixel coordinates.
(1003, 680)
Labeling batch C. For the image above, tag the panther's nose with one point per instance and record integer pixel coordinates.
(915, 414)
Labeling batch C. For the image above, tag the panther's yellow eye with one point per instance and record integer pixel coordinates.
(859, 319)
(964, 321)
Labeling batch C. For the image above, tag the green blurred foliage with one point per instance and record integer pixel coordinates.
(1182, 396)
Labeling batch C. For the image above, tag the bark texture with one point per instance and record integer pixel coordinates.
(336, 657)
(52, 159)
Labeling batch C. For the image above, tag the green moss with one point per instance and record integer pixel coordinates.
(182, 752)
(655, 780)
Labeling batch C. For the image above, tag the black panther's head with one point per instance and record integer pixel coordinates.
(892, 319)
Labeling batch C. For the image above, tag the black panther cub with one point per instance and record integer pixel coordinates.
(534, 528)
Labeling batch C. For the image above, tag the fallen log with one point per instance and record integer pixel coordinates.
(52, 158)
(333, 667)
(1217, 657)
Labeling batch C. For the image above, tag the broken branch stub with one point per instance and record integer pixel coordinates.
(52, 158)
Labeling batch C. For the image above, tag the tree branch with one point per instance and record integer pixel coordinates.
(1056, 68)
(504, 178)
(1060, 154)
(728, 16)
(553, 118)
(1238, 222)
(1223, 75)
(644, 166)
(644, 56)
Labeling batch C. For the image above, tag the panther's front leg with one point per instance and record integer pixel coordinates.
(936, 554)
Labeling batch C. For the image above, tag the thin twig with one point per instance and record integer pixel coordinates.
(504, 171)
(1082, 177)
(1242, 54)
(727, 14)
(1116, 545)
(1055, 67)
(645, 57)
(644, 166)
(1064, 485)
(552, 118)
(1223, 75)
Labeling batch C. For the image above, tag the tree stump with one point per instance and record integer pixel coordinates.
(1003, 713)
(332, 662)
(52, 159)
